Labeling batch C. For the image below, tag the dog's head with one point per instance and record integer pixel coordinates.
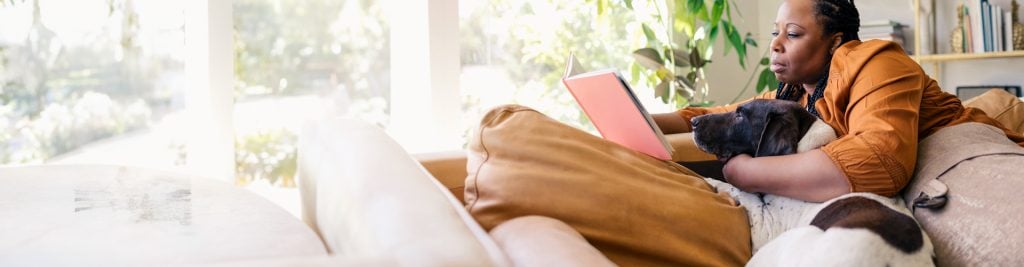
(762, 127)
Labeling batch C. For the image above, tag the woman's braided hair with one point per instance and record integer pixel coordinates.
(835, 16)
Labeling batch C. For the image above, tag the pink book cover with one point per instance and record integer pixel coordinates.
(616, 113)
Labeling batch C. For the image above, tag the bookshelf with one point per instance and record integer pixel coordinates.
(937, 58)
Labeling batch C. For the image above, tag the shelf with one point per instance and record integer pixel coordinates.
(949, 57)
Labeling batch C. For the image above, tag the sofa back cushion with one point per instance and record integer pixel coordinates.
(368, 199)
(977, 170)
(1002, 106)
(637, 210)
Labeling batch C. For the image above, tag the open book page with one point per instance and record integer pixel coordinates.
(647, 116)
(611, 105)
(572, 67)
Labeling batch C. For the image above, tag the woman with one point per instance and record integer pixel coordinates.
(879, 101)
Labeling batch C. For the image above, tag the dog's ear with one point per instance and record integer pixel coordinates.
(785, 124)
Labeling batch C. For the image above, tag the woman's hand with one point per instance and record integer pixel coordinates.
(733, 174)
(808, 176)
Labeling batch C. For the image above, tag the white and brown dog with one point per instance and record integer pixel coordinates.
(857, 229)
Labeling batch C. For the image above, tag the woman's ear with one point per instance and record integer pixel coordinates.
(837, 40)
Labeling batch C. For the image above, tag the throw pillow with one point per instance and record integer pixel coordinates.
(1000, 105)
(637, 210)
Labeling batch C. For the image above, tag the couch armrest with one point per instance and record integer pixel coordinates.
(685, 149)
(367, 197)
(448, 167)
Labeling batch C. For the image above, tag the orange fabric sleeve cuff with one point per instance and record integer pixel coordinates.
(866, 170)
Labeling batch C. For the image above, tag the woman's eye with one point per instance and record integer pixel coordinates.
(775, 34)
(793, 35)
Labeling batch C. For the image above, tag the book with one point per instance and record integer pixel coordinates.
(1007, 31)
(608, 100)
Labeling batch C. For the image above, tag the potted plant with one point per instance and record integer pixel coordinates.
(679, 44)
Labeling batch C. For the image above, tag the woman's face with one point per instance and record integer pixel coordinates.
(799, 49)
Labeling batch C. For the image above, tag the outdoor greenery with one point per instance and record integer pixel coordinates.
(312, 46)
(60, 92)
(266, 155)
(528, 41)
(338, 50)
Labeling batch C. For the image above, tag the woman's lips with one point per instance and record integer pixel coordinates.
(778, 68)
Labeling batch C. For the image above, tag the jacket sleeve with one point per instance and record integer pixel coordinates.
(691, 112)
(879, 151)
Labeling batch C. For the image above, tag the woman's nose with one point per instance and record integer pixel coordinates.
(776, 45)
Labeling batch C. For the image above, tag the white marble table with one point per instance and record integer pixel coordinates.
(59, 215)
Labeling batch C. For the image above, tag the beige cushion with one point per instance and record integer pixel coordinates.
(543, 241)
(369, 199)
(979, 172)
(1000, 105)
(637, 210)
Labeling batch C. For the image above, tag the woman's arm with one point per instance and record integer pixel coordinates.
(809, 176)
(671, 123)
(679, 121)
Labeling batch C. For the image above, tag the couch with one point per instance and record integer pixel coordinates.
(371, 201)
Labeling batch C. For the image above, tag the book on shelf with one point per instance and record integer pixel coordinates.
(885, 29)
(613, 108)
(987, 27)
(1008, 30)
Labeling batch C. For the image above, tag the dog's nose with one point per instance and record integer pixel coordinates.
(694, 122)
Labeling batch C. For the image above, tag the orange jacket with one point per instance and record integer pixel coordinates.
(880, 103)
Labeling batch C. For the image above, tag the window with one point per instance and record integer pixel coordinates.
(514, 51)
(91, 81)
(297, 61)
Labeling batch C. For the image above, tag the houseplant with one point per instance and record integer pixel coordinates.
(679, 45)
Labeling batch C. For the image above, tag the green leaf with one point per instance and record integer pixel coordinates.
(601, 7)
(737, 43)
(681, 58)
(726, 45)
(634, 73)
(629, 4)
(698, 9)
(649, 58)
(750, 40)
(695, 6)
(713, 34)
(651, 38)
(772, 82)
(716, 11)
(695, 59)
(765, 61)
(662, 91)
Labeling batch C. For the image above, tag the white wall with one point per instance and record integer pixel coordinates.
(726, 78)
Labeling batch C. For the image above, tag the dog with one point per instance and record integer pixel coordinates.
(856, 229)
